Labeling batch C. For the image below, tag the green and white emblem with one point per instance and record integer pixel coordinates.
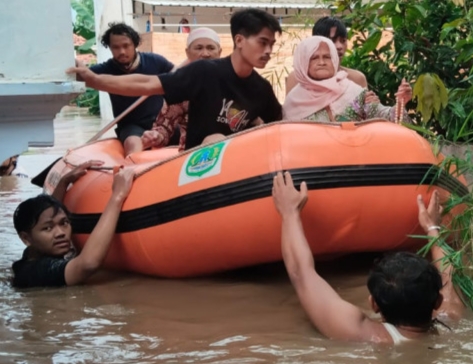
(203, 163)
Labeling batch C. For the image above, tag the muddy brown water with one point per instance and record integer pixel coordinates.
(247, 316)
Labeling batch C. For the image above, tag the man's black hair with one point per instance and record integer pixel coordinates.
(406, 288)
(323, 26)
(120, 29)
(27, 213)
(250, 22)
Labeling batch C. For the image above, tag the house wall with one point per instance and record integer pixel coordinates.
(218, 18)
(36, 51)
(28, 41)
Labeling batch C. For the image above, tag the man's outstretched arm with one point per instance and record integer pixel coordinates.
(430, 219)
(126, 85)
(328, 312)
(96, 247)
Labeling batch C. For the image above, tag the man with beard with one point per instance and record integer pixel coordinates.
(225, 95)
(123, 41)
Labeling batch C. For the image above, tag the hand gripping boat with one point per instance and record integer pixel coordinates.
(210, 209)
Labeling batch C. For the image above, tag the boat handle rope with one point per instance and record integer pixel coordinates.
(229, 137)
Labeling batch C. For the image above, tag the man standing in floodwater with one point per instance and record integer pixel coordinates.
(225, 95)
(43, 224)
(406, 289)
(123, 41)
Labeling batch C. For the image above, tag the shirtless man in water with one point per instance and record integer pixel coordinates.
(405, 288)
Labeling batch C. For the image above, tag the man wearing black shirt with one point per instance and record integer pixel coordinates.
(123, 41)
(43, 225)
(226, 95)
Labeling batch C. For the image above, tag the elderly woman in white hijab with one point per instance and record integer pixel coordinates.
(325, 94)
(202, 43)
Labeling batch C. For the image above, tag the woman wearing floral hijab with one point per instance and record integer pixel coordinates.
(325, 94)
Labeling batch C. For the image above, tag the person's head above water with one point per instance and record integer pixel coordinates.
(42, 223)
(203, 43)
(253, 32)
(333, 28)
(405, 288)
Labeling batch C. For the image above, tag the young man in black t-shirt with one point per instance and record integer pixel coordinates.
(43, 225)
(123, 41)
(225, 95)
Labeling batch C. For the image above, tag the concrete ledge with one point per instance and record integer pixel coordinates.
(27, 111)
(40, 88)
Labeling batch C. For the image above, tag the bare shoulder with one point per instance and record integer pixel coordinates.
(356, 76)
(290, 82)
(375, 332)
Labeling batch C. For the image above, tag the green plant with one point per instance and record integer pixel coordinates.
(459, 231)
(425, 41)
(461, 261)
(84, 26)
(89, 99)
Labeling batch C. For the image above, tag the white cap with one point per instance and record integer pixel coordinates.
(203, 33)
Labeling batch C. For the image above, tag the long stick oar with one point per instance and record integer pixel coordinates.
(117, 119)
(41, 177)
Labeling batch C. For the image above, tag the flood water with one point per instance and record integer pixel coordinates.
(249, 316)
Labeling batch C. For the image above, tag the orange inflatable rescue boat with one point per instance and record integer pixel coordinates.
(210, 209)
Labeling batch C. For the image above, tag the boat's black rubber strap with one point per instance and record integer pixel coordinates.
(253, 188)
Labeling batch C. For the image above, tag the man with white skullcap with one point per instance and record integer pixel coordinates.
(225, 95)
(202, 43)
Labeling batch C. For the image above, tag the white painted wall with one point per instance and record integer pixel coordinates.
(32, 41)
(107, 11)
(36, 49)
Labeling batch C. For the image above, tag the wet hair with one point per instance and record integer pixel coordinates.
(323, 26)
(250, 22)
(120, 29)
(406, 287)
(27, 213)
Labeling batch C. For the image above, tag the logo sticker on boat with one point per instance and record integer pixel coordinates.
(203, 163)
